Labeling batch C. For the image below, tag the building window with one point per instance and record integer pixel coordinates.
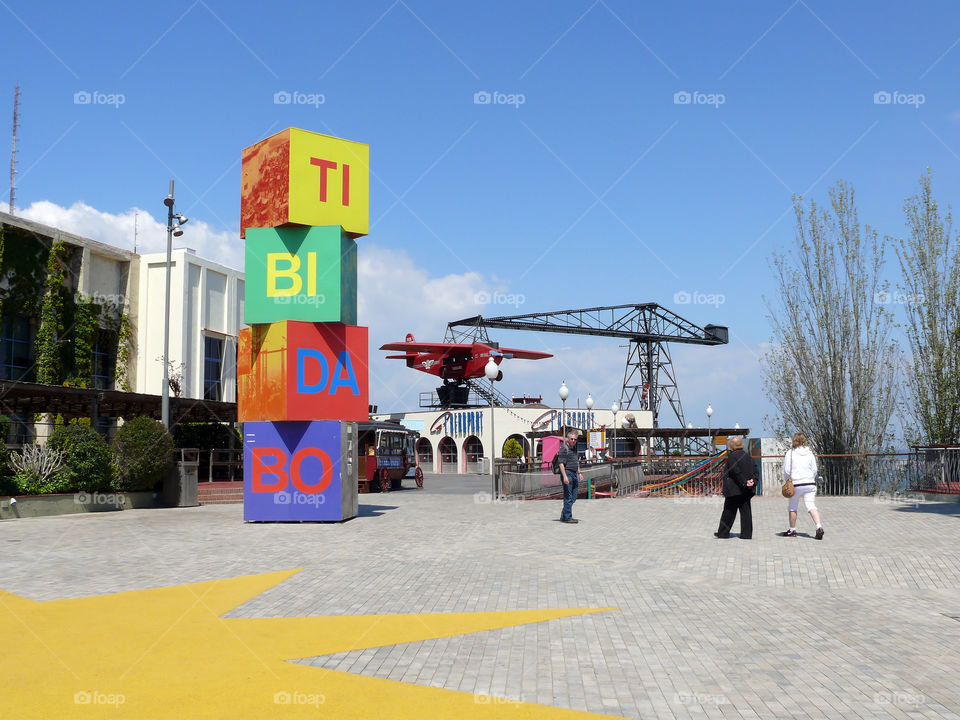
(212, 368)
(15, 349)
(104, 361)
(19, 430)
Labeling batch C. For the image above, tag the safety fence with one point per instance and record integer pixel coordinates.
(927, 470)
(599, 480)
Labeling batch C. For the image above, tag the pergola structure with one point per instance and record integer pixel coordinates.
(23, 398)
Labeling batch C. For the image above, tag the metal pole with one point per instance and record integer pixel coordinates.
(165, 390)
(493, 450)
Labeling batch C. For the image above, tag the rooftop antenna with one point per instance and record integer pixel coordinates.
(13, 146)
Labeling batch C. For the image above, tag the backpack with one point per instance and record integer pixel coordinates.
(555, 463)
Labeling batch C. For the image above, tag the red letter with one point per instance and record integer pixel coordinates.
(324, 166)
(325, 478)
(346, 185)
(276, 468)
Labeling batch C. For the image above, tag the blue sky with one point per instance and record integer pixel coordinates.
(598, 189)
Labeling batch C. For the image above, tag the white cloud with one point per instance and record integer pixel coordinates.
(118, 230)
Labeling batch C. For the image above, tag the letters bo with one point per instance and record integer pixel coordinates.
(299, 471)
(298, 177)
(273, 471)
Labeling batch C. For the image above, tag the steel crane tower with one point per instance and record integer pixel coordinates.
(648, 378)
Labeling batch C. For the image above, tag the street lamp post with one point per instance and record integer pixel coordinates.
(491, 370)
(564, 393)
(589, 405)
(613, 443)
(172, 231)
(709, 430)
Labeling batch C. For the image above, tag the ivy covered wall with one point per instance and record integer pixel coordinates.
(38, 280)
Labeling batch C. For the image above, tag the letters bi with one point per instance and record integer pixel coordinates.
(290, 272)
(272, 462)
(342, 376)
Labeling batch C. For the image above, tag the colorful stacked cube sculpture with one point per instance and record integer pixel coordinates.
(302, 374)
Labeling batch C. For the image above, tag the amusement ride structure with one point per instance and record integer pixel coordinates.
(649, 380)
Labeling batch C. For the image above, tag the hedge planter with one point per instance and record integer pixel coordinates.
(82, 502)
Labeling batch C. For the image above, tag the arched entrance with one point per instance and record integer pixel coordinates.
(448, 455)
(473, 455)
(425, 454)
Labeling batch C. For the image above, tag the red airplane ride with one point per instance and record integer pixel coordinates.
(453, 361)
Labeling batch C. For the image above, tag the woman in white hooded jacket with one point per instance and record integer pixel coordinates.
(800, 465)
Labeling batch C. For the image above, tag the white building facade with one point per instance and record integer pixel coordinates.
(459, 440)
(206, 313)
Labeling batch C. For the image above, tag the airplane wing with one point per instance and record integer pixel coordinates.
(525, 354)
(415, 347)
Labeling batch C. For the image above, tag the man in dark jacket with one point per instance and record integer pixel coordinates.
(739, 486)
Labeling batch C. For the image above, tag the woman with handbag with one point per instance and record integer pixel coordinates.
(800, 471)
(739, 486)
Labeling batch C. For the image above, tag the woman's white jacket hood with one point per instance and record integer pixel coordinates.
(800, 465)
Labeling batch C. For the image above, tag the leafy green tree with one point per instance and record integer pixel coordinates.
(930, 263)
(832, 368)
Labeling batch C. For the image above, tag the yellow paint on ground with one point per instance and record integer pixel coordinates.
(168, 653)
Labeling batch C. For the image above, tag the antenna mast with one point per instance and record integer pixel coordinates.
(13, 146)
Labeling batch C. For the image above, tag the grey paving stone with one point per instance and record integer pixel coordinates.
(854, 626)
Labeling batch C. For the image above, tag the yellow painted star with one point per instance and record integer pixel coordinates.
(168, 653)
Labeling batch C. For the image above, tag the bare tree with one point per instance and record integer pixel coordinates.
(832, 367)
(930, 287)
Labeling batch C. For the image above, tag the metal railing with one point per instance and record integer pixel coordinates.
(936, 469)
(932, 470)
(615, 478)
(850, 475)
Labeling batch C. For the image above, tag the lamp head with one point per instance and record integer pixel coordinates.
(491, 370)
(589, 402)
(564, 391)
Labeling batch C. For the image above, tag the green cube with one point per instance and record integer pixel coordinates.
(300, 273)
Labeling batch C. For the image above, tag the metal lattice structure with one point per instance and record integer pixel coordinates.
(648, 378)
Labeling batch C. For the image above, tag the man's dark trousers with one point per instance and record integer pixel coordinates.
(731, 506)
(569, 496)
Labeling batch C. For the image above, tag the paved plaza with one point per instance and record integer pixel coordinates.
(638, 611)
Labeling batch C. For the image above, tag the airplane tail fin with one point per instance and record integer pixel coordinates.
(410, 357)
(409, 337)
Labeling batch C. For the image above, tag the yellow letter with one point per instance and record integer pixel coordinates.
(272, 272)
(311, 273)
